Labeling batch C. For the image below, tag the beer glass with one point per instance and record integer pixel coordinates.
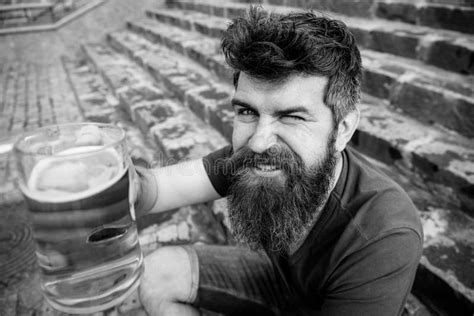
(75, 179)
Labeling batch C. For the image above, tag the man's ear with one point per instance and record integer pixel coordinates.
(346, 129)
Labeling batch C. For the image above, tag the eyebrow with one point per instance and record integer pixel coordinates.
(237, 102)
(296, 109)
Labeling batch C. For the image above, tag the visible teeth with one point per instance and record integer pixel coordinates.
(266, 167)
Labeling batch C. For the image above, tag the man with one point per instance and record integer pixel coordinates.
(324, 232)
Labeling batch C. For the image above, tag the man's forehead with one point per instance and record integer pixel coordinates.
(294, 90)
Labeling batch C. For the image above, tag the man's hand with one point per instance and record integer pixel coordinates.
(168, 285)
(143, 187)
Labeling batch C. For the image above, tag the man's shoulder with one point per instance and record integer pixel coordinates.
(375, 204)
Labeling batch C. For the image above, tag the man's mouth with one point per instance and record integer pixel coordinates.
(265, 170)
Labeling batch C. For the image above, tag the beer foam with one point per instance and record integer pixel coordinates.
(59, 179)
(89, 135)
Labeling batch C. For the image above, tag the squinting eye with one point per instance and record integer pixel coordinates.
(293, 117)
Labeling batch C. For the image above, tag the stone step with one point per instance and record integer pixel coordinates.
(174, 129)
(178, 133)
(92, 100)
(400, 139)
(208, 99)
(451, 15)
(98, 103)
(443, 16)
(449, 50)
(424, 92)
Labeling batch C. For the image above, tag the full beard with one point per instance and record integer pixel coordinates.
(272, 213)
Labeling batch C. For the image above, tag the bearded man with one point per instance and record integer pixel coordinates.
(320, 230)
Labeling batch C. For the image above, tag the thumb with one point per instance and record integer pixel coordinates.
(146, 194)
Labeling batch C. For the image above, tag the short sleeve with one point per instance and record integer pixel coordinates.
(215, 165)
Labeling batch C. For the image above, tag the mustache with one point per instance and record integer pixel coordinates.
(276, 156)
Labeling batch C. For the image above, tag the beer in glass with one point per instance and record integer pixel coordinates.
(75, 179)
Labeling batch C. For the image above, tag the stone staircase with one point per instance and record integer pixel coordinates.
(417, 112)
(33, 96)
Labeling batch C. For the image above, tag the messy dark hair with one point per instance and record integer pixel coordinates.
(272, 47)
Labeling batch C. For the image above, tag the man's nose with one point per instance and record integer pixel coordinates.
(263, 138)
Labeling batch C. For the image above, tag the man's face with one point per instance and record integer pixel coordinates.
(291, 114)
(284, 159)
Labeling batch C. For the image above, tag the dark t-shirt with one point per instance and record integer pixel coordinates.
(361, 255)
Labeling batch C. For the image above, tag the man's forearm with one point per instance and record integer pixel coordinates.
(174, 186)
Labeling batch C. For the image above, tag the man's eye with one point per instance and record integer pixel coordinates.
(293, 117)
(245, 115)
(245, 112)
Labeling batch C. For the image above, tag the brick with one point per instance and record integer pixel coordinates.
(174, 130)
(222, 119)
(400, 43)
(180, 85)
(454, 112)
(196, 105)
(424, 93)
(448, 54)
(448, 162)
(447, 17)
(362, 36)
(466, 3)
(406, 12)
(204, 8)
(164, 109)
(444, 272)
(375, 147)
(218, 11)
(200, 50)
(399, 140)
(235, 11)
(378, 83)
(206, 29)
(306, 4)
(359, 8)
(414, 307)
(202, 219)
(277, 2)
(134, 94)
(206, 101)
(143, 117)
(218, 65)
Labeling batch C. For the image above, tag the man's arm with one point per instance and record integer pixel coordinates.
(175, 186)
